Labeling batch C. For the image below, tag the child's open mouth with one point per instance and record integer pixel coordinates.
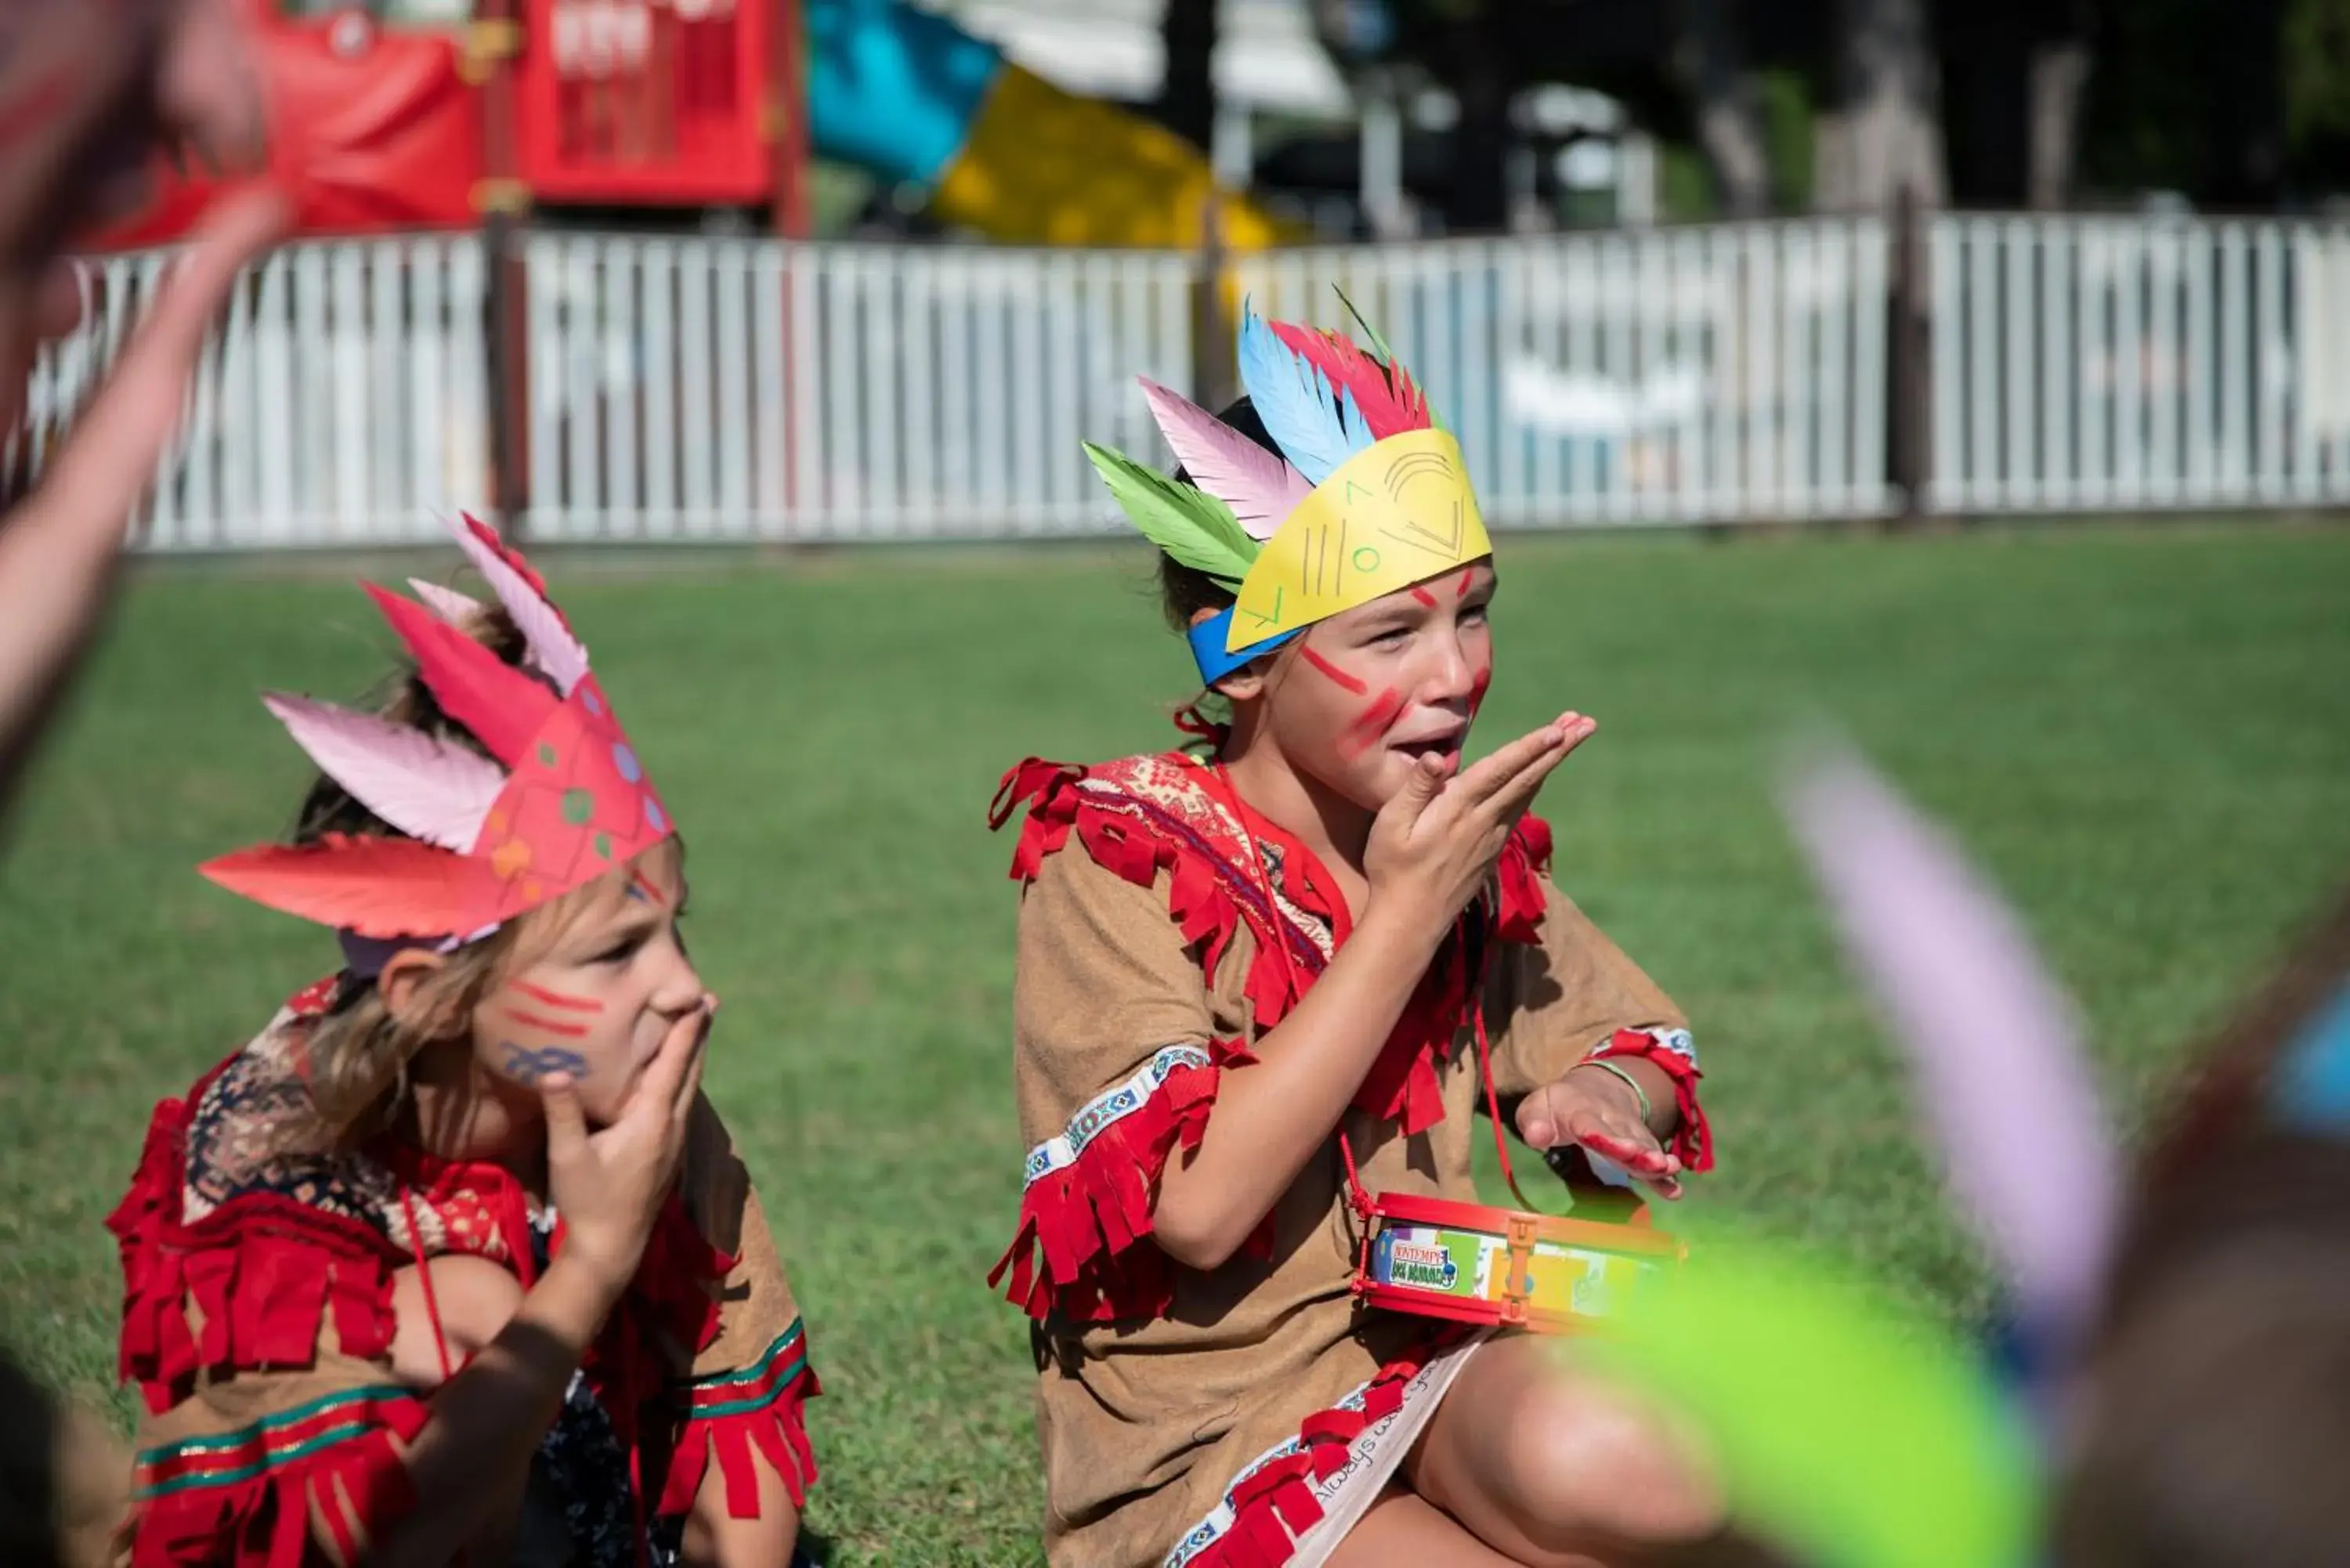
(1439, 746)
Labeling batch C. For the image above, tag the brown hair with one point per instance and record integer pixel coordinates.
(2213, 1417)
(2220, 1099)
(2213, 1424)
(357, 1057)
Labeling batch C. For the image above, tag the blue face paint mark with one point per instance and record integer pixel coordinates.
(524, 1065)
(626, 761)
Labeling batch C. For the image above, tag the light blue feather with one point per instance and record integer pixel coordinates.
(1316, 427)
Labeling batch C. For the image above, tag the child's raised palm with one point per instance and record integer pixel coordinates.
(1597, 1112)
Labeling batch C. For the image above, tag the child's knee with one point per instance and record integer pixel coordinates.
(1590, 1461)
(472, 1299)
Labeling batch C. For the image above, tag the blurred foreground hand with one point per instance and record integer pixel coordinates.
(90, 92)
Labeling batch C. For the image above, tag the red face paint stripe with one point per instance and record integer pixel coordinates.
(1332, 671)
(1365, 732)
(1460, 588)
(556, 999)
(533, 1021)
(1424, 596)
(1478, 686)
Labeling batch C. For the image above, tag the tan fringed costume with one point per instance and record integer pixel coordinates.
(257, 1322)
(1245, 1417)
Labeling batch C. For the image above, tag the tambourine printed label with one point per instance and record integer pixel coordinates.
(1474, 1266)
(1422, 1266)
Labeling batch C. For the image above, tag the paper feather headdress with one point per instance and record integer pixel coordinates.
(560, 800)
(1367, 496)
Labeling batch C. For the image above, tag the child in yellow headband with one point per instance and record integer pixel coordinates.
(1258, 984)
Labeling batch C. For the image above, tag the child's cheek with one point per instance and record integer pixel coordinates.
(535, 1032)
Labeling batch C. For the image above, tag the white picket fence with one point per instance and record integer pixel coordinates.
(709, 388)
(2093, 364)
(344, 397)
(723, 389)
(1707, 374)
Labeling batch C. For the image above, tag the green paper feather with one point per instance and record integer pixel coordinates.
(1192, 526)
(1853, 1435)
(1378, 344)
(1387, 359)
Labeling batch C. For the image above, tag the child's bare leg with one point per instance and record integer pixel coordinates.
(1403, 1531)
(1545, 1465)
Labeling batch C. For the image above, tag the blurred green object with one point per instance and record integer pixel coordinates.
(1845, 1431)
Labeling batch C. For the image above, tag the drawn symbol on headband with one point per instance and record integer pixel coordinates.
(1416, 465)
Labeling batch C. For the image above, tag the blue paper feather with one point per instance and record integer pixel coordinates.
(1316, 427)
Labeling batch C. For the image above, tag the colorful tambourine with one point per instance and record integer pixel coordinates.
(1473, 1263)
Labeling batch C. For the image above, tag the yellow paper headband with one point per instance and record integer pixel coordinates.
(1398, 513)
(1365, 496)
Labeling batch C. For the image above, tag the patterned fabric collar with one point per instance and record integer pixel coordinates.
(251, 1132)
(1174, 796)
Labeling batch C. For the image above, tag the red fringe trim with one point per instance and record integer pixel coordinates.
(1693, 1141)
(1083, 1221)
(265, 1272)
(1524, 858)
(1201, 908)
(1272, 1508)
(1084, 1218)
(358, 1484)
(777, 1432)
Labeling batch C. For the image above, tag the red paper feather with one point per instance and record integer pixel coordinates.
(1384, 394)
(501, 706)
(380, 887)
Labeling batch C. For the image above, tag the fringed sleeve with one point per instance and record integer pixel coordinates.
(1117, 1059)
(1560, 992)
(745, 1398)
(256, 1335)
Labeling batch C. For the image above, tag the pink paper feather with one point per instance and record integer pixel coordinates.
(553, 647)
(436, 792)
(1259, 485)
(501, 705)
(445, 602)
(1992, 1045)
(1388, 409)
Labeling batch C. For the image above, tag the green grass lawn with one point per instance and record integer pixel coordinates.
(2141, 732)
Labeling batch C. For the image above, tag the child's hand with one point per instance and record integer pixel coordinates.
(608, 1186)
(1600, 1113)
(1433, 846)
